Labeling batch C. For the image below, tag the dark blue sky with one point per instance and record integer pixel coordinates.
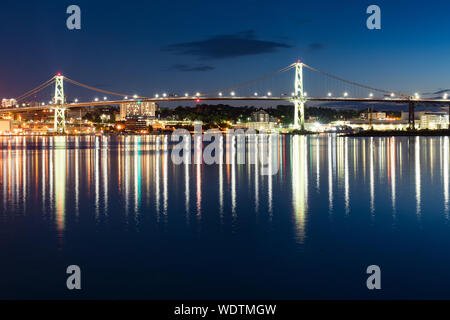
(146, 47)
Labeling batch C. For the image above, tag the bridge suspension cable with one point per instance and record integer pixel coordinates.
(95, 89)
(270, 75)
(353, 83)
(36, 90)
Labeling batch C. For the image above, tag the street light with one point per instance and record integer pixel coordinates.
(392, 95)
(105, 98)
(76, 100)
(96, 99)
(371, 94)
(220, 94)
(232, 93)
(135, 96)
(345, 94)
(445, 96)
(269, 93)
(164, 95)
(256, 94)
(186, 94)
(329, 94)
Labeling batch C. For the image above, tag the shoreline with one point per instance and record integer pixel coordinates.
(369, 133)
(398, 133)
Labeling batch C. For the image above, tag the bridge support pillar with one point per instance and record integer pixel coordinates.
(299, 120)
(60, 120)
(299, 98)
(411, 116)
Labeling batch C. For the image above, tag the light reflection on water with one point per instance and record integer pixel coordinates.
(327, 189)
(140, 165)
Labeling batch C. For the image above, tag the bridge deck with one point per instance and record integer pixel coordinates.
(174, 99)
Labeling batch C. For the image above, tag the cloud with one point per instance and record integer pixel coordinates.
(316, 46)
(187, 68)
(227, 46)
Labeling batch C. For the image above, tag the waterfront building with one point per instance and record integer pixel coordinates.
(143, 110)
(5, 125)
(134, 124)
(373, 116)
(260, 116)
(434, 120)
(265, 126)
(382, 125)
(8, 103)
(260, 120)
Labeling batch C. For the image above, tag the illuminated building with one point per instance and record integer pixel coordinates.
(434, 120)
(374, 115)
(5, 125)
(146, 110)
(260, 116)
(374, 124)
(8, 103)
(260, 120)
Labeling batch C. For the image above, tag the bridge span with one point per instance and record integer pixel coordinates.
(201, 99)
(299, 98)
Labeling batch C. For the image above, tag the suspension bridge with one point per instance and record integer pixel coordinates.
(298, 97)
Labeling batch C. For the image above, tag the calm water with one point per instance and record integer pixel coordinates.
(140, 226)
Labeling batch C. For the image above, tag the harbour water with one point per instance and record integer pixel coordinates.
(140, 226)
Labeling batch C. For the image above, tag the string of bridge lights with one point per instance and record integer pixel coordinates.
(257, 94)
(269, 94)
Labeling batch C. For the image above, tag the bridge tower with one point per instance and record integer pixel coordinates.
(59, 101)
(299, 98)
